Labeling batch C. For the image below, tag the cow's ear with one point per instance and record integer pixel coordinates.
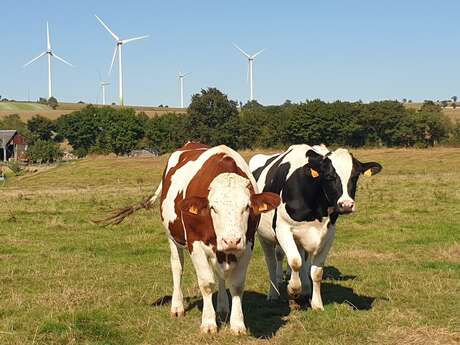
(370, 168)
(194, 205)
(313, 167)
(264, 202)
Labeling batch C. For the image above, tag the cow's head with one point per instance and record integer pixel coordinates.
(338, 174)
(230, 202)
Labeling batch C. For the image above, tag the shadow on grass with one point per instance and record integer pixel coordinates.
(264, 318)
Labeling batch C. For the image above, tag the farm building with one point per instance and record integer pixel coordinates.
(12, 145)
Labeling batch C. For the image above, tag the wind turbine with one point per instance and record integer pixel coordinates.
(250, 63)
(103, 85)
(181, 83)
(50, 53)
(118, 48)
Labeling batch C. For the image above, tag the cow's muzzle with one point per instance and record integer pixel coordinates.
(346, 206)
(232, 244)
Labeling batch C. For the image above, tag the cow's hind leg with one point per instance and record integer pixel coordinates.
(279, 266)
(177, 264)
(270, 258)
(222, 299)
(206, 283)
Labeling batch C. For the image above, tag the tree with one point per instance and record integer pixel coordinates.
(166, 132)
(213, 118)
(13, 121)
(454, 99)
(102, 130)
(41, 128)
(52, 102)
(43, 151)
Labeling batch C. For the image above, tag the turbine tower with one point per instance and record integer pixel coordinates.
(181, 85)
(103, 85)
(250, 66)
(118, 49)
(50, 53)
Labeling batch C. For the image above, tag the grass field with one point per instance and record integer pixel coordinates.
(393, 276)
(27, 110)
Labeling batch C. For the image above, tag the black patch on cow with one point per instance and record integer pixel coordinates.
(259, 170)
(228, 258)
(275, 216)
(303, 197)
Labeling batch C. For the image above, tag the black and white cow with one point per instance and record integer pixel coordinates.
(316, 186)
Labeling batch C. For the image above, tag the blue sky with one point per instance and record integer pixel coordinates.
(336, 49)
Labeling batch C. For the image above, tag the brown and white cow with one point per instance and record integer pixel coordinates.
(210, 205)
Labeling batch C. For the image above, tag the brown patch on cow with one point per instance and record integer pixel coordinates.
(191, 145)
(175, 228)
(419, 335)
(200, 227)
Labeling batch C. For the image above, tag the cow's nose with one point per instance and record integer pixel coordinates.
(347, 206)
(233, 243)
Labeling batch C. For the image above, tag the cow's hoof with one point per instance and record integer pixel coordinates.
(177, 312)
(238, 329)
(209, 328)
(315, 305)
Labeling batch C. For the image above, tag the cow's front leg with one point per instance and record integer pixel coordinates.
(316, 270)
(177, 264)
(286, 241)
(206, 283)
(236, 283)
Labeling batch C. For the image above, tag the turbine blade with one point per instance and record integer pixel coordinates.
(260, 51)
(62, 60)
(48, 42)
(34, 59)
(113, 59)
(134, 39)
(107, 28)
(242, 51)
(187, 73)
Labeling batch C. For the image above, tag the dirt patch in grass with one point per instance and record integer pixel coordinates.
(366, 254)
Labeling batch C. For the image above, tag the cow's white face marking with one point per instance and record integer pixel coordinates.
(229, 202)
(343, 165)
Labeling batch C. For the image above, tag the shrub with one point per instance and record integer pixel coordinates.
(43, 151)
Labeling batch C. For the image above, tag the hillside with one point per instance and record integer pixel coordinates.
(26, 110)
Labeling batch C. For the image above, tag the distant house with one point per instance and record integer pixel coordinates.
(12, 145)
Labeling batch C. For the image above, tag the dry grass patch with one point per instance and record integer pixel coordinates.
(418, 336)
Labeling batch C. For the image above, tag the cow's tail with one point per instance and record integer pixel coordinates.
(119, 215)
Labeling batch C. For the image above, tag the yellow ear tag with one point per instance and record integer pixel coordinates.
(263, 207)
(368, 173)
(314, 173)
(193, 210)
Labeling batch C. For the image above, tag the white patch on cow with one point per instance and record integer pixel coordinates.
(259, 160)
(229, 200)
(343, 164)
(182, 177)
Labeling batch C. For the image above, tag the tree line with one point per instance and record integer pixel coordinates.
(214, 119)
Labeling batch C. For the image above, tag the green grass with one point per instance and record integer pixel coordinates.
(18, 106)
(392, 278)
